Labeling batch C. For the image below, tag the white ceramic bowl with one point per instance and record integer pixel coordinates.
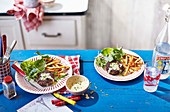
(77, 84)
(47, 3)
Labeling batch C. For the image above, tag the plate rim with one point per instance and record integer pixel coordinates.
(100, 70)
(40, 91)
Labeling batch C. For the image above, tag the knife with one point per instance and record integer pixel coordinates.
(7, 54)
(31, 81)
(4, 44)
(1, 50)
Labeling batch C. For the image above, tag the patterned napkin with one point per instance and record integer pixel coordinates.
(75, 62)
(32, 17)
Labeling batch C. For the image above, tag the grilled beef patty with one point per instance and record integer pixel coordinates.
(114, 68)
(45, 78)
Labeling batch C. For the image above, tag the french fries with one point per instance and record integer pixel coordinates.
(55, 66)
(131, 63)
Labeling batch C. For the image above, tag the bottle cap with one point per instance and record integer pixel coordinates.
(8, 79)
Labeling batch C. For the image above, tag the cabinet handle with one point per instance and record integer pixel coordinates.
(47, 35)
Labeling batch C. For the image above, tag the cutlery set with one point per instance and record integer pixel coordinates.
(4, 52)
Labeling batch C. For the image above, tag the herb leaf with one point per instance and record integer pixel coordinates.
(59, 78)
(32, 68)
(109, 55)
(106, 51)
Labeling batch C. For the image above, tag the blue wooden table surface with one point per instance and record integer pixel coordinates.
(109, 96)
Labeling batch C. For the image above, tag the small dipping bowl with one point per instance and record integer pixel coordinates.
(77, 84)
(47, 3)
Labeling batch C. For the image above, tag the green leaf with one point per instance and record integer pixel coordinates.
(42, 55)
(27, 66)
(38, 52)
(59, 78)
(32, 68)
(109, 55)
(100, 61)
(106, 51)
(40, 64)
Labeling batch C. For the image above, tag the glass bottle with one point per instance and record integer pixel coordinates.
(161, 54)
(9, 87)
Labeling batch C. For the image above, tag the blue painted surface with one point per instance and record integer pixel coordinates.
(110, 96)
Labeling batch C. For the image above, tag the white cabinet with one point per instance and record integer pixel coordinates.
(57, 32)
(63, 28)
(11, 28)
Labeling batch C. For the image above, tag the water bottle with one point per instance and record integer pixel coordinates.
(161, 54)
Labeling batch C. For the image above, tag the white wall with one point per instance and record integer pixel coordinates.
(133, 24)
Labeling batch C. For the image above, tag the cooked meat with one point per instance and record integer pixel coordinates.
(45, 78)
(114, 68)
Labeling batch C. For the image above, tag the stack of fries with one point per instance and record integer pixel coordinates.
(55, 66)
(131, 63)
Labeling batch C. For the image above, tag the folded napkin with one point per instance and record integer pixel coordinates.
(75, 62)
(32, 17)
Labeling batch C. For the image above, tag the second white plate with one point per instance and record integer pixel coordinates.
(132, 76)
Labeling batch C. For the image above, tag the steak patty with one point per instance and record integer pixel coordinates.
(45, 78)
(114, 68)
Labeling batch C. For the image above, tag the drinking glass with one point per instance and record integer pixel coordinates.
(151, 77)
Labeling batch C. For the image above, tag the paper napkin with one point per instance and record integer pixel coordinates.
(43, 104)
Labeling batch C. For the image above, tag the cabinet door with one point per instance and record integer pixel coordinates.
(11, 28)
(52, 34)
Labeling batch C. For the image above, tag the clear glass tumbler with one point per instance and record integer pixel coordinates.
(151, 77)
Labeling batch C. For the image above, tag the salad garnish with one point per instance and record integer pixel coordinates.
(109, 55)
(32, 68)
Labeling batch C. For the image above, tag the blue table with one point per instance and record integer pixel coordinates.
(109, 95)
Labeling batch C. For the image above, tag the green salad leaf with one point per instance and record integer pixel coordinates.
(42, 55)
(106, 51)
(59, 78)
(27, 66)
(32, 68)
(117, 54)
(100, 61)
(40, 64)
(109, 55)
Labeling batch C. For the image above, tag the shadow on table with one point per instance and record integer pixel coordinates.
(84, 102)
(93, 98)
(166, 81)
(126, 83)
(162, 93)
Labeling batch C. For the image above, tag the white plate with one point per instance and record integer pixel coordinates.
(22, 83)
(106, 75)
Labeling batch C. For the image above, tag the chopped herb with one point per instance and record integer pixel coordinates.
(75, 88)
(109, 55)
(55, 72)
(59, 78)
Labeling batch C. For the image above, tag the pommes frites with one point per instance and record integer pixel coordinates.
(131, 63)
(55, 66)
